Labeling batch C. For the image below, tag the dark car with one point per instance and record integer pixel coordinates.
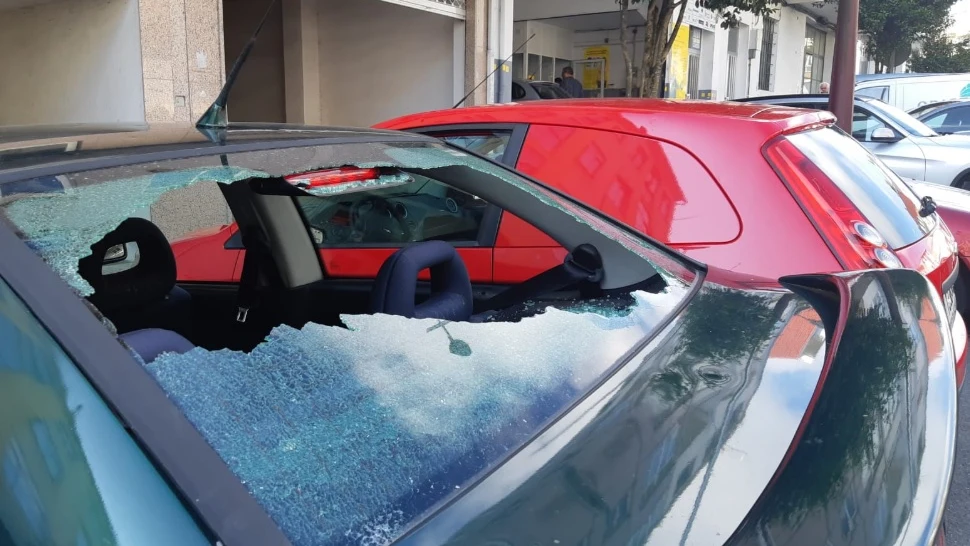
(523, 90)
(946, 117)
(627, 395)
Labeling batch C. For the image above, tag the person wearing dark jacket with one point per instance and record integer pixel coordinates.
(570, 84)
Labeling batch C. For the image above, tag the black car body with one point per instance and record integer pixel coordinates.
(532, 90)
(652, 401)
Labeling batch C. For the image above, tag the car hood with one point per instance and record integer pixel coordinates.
(957, 140)
(728, 406)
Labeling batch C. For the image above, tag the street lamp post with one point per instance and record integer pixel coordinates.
(842, 90)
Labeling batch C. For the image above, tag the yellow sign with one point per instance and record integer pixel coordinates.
(678, 66)
(593, 72)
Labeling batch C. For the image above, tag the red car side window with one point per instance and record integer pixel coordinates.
(656, 187)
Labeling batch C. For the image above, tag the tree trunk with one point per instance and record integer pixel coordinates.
(657, 41)
(625, 46)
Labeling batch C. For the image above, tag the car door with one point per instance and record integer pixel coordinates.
(655, 187)
(904, 156)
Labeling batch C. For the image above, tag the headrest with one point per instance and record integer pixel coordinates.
(451, 289)
(149, 280)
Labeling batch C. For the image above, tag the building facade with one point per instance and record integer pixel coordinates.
(333, 62)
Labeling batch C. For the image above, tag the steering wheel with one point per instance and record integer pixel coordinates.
(372, 203)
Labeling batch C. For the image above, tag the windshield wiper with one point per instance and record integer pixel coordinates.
(215, 120)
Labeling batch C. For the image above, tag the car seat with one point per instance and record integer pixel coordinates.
(152, 342)
(451, 288)
(144, 295)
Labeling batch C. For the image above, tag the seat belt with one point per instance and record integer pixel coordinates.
(583, 264)
(249, 286)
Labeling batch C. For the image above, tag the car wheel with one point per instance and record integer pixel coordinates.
(963, 182)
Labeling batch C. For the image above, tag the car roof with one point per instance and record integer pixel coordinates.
(666, 117)
(797, 97)
(898, 76)
(28, 147)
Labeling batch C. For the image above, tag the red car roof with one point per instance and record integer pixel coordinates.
(656, 117)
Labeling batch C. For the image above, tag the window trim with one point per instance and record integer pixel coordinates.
(209, 491)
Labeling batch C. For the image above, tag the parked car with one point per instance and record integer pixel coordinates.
(646, 397)
(523, 90)
(905, 144)
(946, 118)
(785, 193)
(908, 91)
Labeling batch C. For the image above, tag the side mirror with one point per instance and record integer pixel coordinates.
(884, 134)
(116, 254)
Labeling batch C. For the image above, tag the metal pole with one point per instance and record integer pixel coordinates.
(842, 90)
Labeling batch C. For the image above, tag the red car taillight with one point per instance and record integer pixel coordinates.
(853, 240)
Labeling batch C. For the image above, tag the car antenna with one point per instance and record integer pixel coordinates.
(463, 99)
(215, 120)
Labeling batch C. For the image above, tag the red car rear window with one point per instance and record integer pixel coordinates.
(885, 200)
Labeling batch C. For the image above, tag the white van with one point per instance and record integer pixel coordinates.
(908, 91)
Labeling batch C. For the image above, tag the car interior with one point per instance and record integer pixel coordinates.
(284, 283)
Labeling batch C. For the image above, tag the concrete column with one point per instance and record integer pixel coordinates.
(183, 59)
(301, 58)
(476, 46)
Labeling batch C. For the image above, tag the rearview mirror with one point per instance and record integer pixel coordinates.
(884, 134)
(116, 254)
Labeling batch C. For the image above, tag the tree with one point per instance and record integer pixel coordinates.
(891, 26)
(659, 35)
(938, 54)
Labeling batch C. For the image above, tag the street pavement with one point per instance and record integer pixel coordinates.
(958, 507)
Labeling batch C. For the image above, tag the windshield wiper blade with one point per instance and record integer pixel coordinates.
(215, 120)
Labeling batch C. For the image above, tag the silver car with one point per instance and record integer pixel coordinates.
(905, 144)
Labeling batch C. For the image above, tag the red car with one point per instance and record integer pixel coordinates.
(761, 190)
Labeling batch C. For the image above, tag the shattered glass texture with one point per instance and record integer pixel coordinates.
(344, 439)
(62, 226)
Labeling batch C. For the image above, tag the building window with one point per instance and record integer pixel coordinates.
(814, 60)
(732, 67)
(693, 62)
(767, 54)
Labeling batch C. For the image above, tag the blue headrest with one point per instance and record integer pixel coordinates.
(152, 342)
(451, 289)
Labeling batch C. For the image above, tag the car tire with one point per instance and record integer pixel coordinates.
(962, 182)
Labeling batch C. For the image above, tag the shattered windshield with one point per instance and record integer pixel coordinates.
(351, 432)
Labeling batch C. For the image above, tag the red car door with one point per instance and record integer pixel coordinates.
(655, 187)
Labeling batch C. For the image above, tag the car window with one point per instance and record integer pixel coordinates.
(956, 119)
(864, 123)
(900, 118)
(491, 144)
(68, 469)
(352, 432)
(423, 209)
(547, 91)
(935, 121)
(880, 92)
(885, 200)
(518, 92)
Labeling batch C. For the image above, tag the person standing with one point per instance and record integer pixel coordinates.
(571, 84)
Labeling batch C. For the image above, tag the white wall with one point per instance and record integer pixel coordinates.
(789, 54)
(71, 62)
(380, 60)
